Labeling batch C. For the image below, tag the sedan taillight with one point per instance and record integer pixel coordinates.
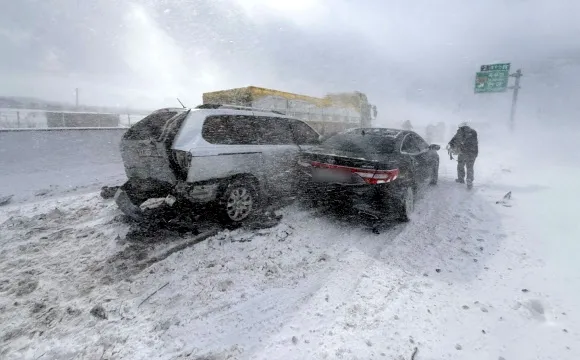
(370, 176)
(379, 176)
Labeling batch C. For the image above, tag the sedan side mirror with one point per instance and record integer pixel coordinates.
(434, 147)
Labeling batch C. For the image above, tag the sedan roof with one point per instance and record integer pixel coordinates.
(387, 132)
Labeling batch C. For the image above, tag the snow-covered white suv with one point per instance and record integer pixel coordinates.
(228, 156)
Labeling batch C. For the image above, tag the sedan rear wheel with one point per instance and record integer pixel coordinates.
(408, 204)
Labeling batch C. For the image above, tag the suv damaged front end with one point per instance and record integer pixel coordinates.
(153, 168)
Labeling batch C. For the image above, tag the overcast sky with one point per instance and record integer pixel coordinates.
(413, 58)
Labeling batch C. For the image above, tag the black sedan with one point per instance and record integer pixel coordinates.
(379, 171)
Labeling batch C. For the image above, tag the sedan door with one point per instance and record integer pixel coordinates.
(416, 151)
(429, 157)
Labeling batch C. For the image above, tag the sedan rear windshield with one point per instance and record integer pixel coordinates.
(361, 144)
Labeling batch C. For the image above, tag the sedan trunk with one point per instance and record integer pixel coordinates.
(348, 168)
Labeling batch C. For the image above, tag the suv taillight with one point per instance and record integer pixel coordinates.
(183, 159)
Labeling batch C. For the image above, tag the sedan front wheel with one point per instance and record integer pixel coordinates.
(434, 174)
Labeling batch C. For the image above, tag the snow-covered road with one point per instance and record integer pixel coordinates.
(41, 162)
(466, 279)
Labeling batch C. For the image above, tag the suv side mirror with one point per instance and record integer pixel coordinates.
(434, 147)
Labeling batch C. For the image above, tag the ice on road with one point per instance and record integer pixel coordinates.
(467, 278)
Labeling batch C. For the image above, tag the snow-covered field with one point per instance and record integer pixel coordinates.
(466, 279)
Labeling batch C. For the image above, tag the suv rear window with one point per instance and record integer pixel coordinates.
(304, 134)
(150, 127)
(361, 144)
(246, 130)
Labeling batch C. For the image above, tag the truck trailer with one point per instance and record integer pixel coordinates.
(328, 115)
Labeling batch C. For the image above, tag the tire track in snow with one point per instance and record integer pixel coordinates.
(261, 316)
(315, 303)
(312, 325)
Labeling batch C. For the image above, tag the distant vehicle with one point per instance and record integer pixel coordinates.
(378, 170)
(229, 157)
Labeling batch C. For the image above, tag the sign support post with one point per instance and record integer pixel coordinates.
(494, 78)
(518, 74)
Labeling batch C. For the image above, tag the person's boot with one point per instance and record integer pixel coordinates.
(460, 181)
(469, 185)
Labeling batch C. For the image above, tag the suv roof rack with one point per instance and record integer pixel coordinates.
(237, 107)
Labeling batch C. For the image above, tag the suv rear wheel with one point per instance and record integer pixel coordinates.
(239, 202)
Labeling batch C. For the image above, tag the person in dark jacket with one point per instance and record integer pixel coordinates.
(466, 145)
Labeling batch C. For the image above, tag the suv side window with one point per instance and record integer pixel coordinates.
(246, 130)
(410, 145)
(274, 131)
(304, 134)
(217, 130)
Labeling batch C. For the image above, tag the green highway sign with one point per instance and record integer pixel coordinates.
(492, 78)
(496, 67)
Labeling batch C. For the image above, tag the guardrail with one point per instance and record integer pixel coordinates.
(16, 118)
(62, 129)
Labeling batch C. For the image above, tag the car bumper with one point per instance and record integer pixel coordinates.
(127, 206)
(375, 200)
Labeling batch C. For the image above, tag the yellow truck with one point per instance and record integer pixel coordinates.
(330, 114)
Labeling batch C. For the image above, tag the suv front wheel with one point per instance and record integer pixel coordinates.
(239, 202)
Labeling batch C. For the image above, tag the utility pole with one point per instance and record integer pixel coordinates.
(77, 97)
(518, 74)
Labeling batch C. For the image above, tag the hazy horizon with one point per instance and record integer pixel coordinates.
(415, 61)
